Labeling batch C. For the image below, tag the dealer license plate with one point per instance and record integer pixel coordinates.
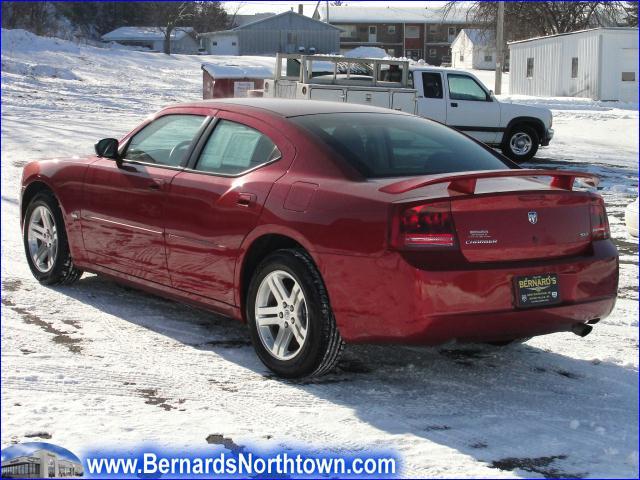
(537, 290)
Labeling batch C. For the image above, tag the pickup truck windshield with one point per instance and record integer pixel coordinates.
(391, 145)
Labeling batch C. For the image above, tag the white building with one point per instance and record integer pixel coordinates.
(182, 38)
(600, 63)
(41, 464)
(474, 48)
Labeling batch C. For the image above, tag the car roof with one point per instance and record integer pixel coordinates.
(285, 107)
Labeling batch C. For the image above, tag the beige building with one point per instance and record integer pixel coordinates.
(41, 464)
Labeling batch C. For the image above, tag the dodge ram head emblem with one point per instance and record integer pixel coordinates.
(533, 218)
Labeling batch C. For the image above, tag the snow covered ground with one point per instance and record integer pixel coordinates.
(100, 364)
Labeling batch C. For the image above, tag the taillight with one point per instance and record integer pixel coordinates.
(424, 226)
(599, 222)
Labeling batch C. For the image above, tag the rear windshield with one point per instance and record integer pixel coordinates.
(390, 145)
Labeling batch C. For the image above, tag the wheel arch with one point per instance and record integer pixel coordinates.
(255, 250)
(30, 191)
(532, 122)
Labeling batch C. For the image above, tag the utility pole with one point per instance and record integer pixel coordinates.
(499, 48)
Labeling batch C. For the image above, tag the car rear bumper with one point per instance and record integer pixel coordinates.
(387, 300)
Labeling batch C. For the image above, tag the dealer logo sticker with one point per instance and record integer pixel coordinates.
(533, 217)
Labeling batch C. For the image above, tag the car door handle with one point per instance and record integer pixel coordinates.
(246, 199)
(454, 104)
(156, 184)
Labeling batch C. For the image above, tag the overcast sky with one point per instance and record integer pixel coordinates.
(256, 6)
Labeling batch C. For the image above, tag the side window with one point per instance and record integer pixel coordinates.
(165, 141)
(432, 85)
(233, 148)
(530, 67)
(463, 87)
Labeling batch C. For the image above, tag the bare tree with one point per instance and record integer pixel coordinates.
(169, 17)
(631, 9)
(530, 19)
(32, 16)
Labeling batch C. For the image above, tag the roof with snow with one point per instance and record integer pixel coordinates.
(142, 34)
(478, 36)
(578, 32)
(241, 67)
(390, 14)
(317, 24)
(239, 20)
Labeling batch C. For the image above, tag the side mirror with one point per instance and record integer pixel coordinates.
(108, 148)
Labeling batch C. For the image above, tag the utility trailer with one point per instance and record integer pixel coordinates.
(367, 81)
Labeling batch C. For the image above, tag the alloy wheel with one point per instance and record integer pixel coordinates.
(521, 143)
(281, 315)
(42, 237)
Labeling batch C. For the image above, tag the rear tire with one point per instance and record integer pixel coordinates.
(45, 242)
(521, 143)
(294, 332)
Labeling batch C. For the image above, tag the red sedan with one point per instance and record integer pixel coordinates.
(322, 223)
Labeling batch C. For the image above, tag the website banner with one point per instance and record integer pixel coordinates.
(152, 463)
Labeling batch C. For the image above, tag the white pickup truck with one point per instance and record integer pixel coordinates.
(453, 97)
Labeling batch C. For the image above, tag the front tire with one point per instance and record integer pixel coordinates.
(521, 143)
(45, 242)
(290, 320)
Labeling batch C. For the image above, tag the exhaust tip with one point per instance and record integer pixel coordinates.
(581, 329)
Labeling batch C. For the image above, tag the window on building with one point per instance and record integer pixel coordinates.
(431, 85)
(433, 28)
(452, 31)
(412, 31)
(233, 148)
(391, 29)
(413, 53)
(233, 44)
(574, 67)
(463, 87)
(433, 52)
(348, 31)
(628, 76)
(529, 67)
(461, 56)
(214, 43)
(488, 58)
(51, 467)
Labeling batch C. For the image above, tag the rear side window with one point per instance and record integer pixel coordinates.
(390, 145)
(463, 87)
(432, 85)
(233, 148)
(165, 141)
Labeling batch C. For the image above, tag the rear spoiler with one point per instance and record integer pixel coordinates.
(466, 182)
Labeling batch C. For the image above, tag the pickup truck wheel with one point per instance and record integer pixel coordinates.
(521, 143)
(290, 320)
(45, 242)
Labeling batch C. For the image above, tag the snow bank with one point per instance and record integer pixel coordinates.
(366, 52)
(46, 71)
